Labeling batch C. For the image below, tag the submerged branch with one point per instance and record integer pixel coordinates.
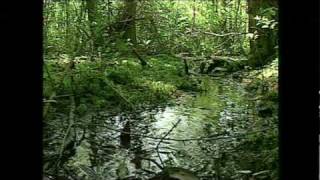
(153, 161)
(67, 133)
(157, 147)
(207, 138)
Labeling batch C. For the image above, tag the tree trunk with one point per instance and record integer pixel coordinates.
(92, 13)
(129, 18)
(262, 49)
(186, 67)
(222, 4)
(193, 14)
(67, 28)
(125, 136)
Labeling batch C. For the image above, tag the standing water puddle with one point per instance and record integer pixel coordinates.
(193, 133)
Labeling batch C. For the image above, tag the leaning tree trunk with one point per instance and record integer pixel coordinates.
(262, 49)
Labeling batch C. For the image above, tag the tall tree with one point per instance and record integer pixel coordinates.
(129, 16)
(129, 20)
(194, 14)
(92, 14)
(262, 48)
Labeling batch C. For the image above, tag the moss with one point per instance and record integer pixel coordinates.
(99, 85)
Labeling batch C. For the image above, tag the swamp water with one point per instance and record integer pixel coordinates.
(195, 132)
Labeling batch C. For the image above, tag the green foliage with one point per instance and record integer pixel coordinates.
(125, 82)
(107, 77)
(120, 77)
(68, 30)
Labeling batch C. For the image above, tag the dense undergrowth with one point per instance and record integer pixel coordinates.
(261, 150)
(121, 82)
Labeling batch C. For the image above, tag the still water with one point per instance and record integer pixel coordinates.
(193, 132)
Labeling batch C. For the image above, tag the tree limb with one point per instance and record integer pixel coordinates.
(223, 35)
(157, 147)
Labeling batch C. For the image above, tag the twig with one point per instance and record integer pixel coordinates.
(71, 123)
(47, 106)
(64, 95)
(148, 171)
(82, 137)
(152, 160)
(49, 101)
(222, 35)
(206, 138)
(130, 19)
(164, 139)
(157, 147)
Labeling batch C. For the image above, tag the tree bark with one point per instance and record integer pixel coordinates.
(193, 14)
(130, 26)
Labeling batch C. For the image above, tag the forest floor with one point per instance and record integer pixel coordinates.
(123, 85)
(124, 81)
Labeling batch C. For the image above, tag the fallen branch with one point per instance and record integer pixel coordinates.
(223, 35)
(148, 171)
(49, 101)
(142, 61)
(67, 133)
(47, 106)
(211, 137)
(157, 147)
(226, 58)
(206, 138)
(152, 160)
(131, 19)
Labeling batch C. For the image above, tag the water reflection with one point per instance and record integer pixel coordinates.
(142, 138)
